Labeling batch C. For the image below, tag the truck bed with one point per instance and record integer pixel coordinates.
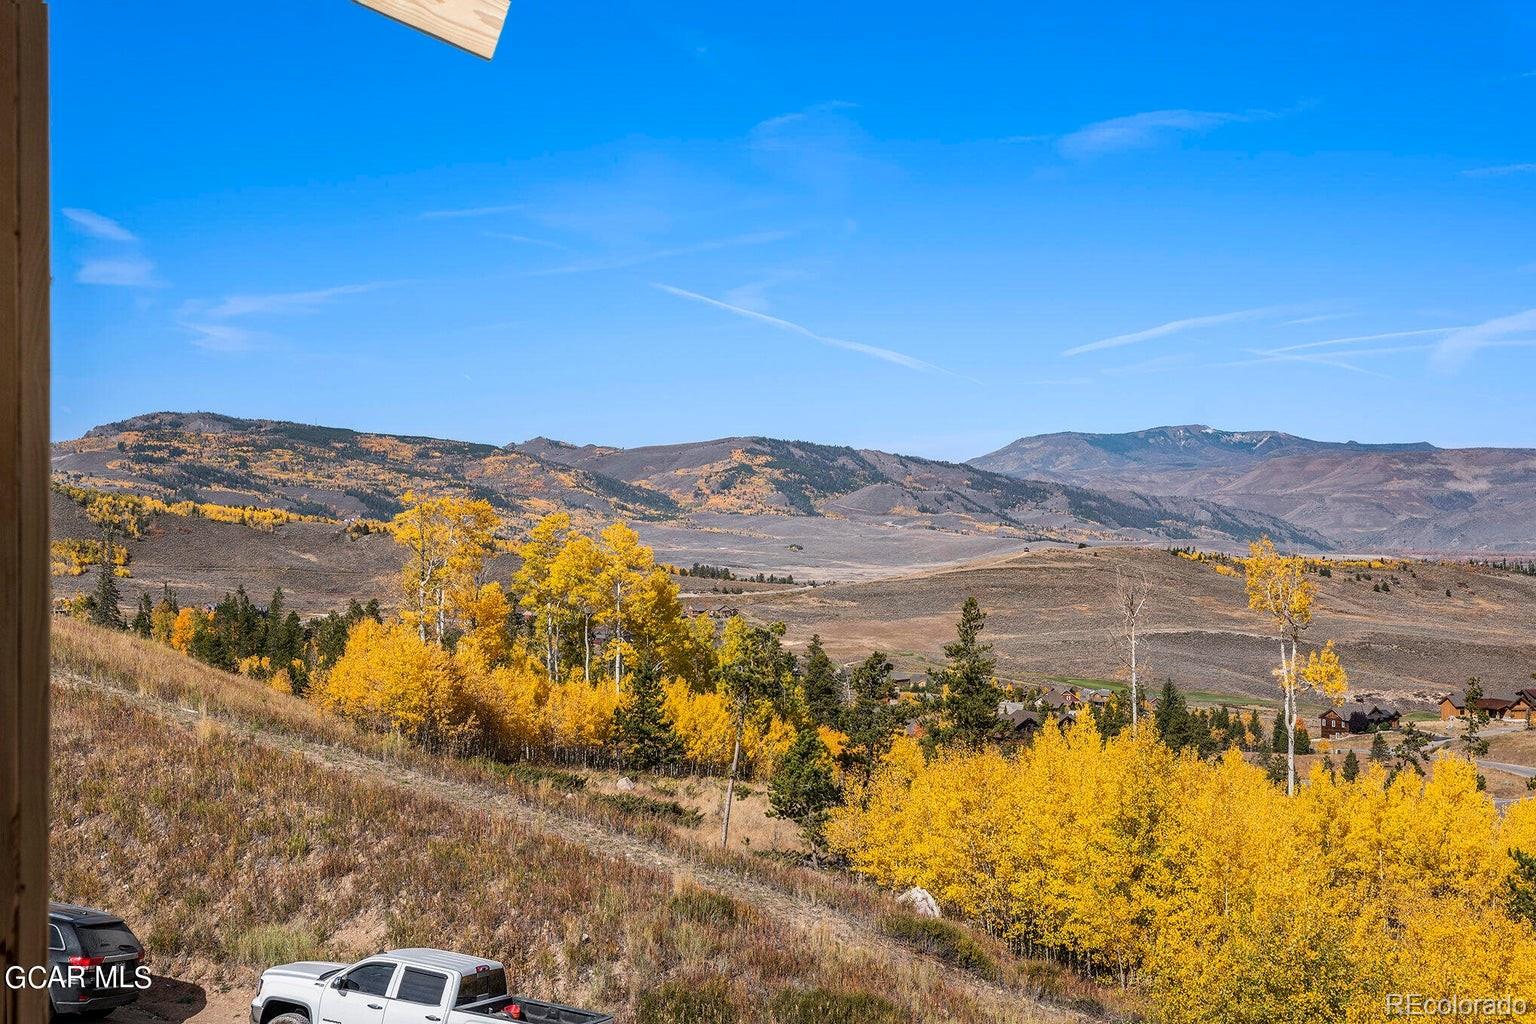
(534, 1011)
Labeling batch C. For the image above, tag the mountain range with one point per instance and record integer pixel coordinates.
(758, 497)
(1404, 497)
(716, 485)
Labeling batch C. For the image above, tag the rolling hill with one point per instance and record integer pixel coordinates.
(720, 485)
(1408, 497)
(1051, 614)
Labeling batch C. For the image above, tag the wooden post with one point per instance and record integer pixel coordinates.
(24, 606)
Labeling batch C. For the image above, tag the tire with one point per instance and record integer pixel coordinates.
(289, 1018)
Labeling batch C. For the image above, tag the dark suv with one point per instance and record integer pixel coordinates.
(107, 950)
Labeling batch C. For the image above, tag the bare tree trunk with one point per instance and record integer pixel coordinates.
(730, 786)
(1135, 690)
(1288, 669)
(586, 641)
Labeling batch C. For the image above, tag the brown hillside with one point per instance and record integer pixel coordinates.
(1049, 614)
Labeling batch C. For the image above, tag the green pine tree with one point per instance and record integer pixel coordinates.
(1303, 740)
(1171, 719)
(1520, 888)
(1351, 769)
(1379, 751)
(804, 787)
(143, 619)
(873, 718)
(968, 708)
(823, 689)
(644, 737)
(105, 612)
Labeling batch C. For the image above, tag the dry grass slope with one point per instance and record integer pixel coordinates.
(272, 832)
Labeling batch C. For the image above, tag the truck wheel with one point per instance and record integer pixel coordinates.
(289, 1018)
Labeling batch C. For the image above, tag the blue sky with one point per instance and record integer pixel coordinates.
(922, 229)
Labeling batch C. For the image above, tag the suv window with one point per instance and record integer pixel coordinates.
(370, 979)
(55, 938)
(106, 939)
(424, 987)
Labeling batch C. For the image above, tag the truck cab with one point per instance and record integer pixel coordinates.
(402, 986)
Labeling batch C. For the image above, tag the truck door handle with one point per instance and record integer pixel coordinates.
(375, 1006)
(431, 1017)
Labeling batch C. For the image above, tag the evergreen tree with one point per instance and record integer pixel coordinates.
(873, 718)
(1379, 752)
(105, 611)
(1329, 767)
(1351, 770)
(1255, 731)
(143, 619)
(804, 787)
(968, 707)
(1476, 719)
(1171, 719)
(1279, 743)
(823, 689)
(644, 737)
(1303, 740)
(1520, 888)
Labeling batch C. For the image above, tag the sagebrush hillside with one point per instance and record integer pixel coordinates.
(277, 834)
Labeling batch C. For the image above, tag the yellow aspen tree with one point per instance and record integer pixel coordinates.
(532, 582)
(448, 540)
(1278, 586)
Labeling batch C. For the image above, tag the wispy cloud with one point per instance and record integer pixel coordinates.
(287, 302)
(472, 211)
(1149, 128)
(1453, 352)
(526, 240)
(1358, 338)
(1502, 170)
(123, 272)
(221, 337)
(654, 255)
(98, 225)
(873, 351)
(1172, 327)
(1319, 318)
(1333, 360)
(120, 263)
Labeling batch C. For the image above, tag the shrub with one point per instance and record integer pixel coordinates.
(703, 906)
(268, 944)
(823, 1006)
(533, 775)
(669, 811)
(949, 942)
(687, 1002)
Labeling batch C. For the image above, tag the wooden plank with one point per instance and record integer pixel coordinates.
(473, 25)
(23, 499)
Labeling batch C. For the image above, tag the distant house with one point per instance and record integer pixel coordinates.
(1367, 717)
(1332, 724)
(1517, 705)
(1020, 720)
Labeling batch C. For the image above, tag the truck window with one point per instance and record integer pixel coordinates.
(424, 987)
(481, 985)
(372, 979)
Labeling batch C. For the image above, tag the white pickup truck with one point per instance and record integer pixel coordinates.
(403, 986)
